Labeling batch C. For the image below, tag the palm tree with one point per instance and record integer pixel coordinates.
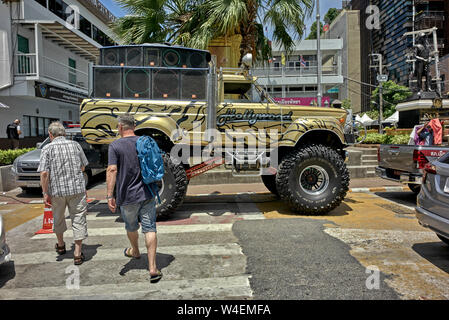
(145, 23)
(194, 23)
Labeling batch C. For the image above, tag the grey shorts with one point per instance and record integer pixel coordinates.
(145, 210)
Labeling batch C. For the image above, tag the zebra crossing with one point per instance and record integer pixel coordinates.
(198, 255)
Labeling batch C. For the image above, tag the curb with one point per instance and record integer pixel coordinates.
(379, 189)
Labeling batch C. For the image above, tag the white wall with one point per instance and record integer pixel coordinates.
(5, 47)
(20, 106)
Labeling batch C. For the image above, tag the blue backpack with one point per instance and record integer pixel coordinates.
(151, 163)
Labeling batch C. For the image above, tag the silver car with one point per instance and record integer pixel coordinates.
(5, 254)
(25, 167)
(432, 208)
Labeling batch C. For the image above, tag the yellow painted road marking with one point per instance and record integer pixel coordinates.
(20, 213)
(359, 211)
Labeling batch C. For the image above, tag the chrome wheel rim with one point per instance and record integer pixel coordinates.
(314, 180)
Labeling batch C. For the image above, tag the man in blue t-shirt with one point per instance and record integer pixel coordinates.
(132, 196)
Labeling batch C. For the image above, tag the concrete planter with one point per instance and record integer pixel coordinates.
(7, 181)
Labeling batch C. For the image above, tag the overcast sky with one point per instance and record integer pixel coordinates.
(325, 5)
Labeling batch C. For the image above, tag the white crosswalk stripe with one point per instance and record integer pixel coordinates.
(207, 288)
(160, 230)
(193, 268)
(226, 249)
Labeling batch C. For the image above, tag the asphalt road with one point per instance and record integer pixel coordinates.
(237, 246)
(296, 259)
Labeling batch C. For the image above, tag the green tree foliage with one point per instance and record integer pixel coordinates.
(194, 23)
(346, 104)
(313, 31)
(331, 14)
(392, 95)
(146, 22)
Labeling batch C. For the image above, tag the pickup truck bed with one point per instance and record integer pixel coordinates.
(405, 163)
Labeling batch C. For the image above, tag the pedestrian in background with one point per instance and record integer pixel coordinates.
(62, 163)
(132, 197)
(13, 132)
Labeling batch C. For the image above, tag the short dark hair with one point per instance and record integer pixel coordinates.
(126, 121)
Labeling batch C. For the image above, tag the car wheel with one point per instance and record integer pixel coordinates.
(416, 188)
(313, 180)
(270, 183)
(444, 239)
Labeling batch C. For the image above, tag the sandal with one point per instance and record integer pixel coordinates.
(156, 277)
(78, 260)
(127, 254)
(60, 250)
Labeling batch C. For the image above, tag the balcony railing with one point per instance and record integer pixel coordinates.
(310, 71)
(25, 65)
(60, 72)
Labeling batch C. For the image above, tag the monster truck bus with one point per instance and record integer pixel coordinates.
(179, 97)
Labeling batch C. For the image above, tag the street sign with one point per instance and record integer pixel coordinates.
(382, 78)
(326, 28)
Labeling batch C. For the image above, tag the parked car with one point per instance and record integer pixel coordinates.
(25, 166)
(432, 208)
(5, 254)
(405, 163)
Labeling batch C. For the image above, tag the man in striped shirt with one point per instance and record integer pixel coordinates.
(62, 163)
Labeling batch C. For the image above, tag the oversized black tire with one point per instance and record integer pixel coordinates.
(173, 188)
(270, 183)
(416, 188)
(313, 180)
(444, 239)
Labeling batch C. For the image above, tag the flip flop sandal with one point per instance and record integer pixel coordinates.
(126, 253)
(155, 278)
(78, 260)
(60, 250)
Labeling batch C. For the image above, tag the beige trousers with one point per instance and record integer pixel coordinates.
(77, 205)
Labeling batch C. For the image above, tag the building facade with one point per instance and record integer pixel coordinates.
(292, 78)
(367, 74)
(396, 18)
(347, 28)
(45, 49)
